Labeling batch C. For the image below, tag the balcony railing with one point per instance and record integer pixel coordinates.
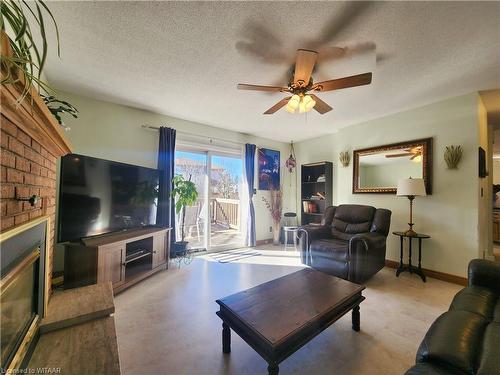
(224, 214)
(225, 211)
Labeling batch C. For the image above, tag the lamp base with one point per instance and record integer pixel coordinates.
(410, 232)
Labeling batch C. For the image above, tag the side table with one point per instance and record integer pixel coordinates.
(412, 269)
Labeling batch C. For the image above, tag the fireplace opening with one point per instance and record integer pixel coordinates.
(22, 290)
(19, 300)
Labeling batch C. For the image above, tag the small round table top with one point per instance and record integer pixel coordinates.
(417, 235)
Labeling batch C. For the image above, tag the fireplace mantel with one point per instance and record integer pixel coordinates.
(32, 115)
(35, 119)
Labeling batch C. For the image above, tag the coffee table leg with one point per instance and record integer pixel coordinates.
(226, 338)
(355, 319)
(273, 369)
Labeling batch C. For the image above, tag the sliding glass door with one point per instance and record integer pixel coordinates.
(193, 166)
(214, 222)
(226, 175)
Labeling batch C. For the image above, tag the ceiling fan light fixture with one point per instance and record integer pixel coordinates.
(302, 107)
(289, 108)
(294, 101)
(310, 105)
(417, 159)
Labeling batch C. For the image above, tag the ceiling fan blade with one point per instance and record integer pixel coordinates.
(347, 17)
(259, 42)
(321, 106)
(244, 86)
(398, 155)
(343, 83)
(279, 105)
(304, 65)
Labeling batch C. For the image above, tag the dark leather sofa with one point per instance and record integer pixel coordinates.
(350, 243)
(466, 338)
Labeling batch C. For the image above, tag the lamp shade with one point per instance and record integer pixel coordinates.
(411, 187)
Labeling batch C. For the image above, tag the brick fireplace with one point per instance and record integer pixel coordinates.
(27, 169)
(31, 143)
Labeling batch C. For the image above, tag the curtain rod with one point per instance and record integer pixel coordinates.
(150, 127)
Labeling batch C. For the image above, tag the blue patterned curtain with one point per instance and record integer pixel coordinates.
(249, 174)
(166, 156)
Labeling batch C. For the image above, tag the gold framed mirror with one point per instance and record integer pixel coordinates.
(378, 169)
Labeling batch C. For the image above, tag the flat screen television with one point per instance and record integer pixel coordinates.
(98, 196)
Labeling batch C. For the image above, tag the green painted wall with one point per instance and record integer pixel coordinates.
(450, 214)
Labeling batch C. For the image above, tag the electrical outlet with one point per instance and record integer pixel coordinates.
(270, 229)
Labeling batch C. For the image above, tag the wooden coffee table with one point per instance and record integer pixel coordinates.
(278, 317)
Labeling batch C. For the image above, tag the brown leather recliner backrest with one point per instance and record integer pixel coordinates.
(381, 221)
(328, 216)
(353, 218)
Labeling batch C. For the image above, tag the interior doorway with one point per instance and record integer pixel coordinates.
(214, 223)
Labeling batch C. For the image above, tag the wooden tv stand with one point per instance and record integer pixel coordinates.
(122, 258)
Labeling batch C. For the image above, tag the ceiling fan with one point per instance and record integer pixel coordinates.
(413, 153)
(302, 83)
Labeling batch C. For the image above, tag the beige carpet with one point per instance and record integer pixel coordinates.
(167, 323)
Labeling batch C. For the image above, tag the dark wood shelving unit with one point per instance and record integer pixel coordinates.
(313, 209)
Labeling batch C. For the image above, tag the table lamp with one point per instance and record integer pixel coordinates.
(411, 187)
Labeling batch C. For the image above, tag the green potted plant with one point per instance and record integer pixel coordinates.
(25, 47)
(184, 194)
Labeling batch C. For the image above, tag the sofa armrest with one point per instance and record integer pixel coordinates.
(366, 255)
(309, 233)
(484, 273)
(367, 241)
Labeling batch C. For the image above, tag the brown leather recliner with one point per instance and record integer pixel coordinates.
(350, 243)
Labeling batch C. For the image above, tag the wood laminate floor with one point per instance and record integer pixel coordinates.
(167, 323)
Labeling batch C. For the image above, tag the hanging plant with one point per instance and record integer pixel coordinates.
(291, 162)
(58, 107)
(26, 63)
